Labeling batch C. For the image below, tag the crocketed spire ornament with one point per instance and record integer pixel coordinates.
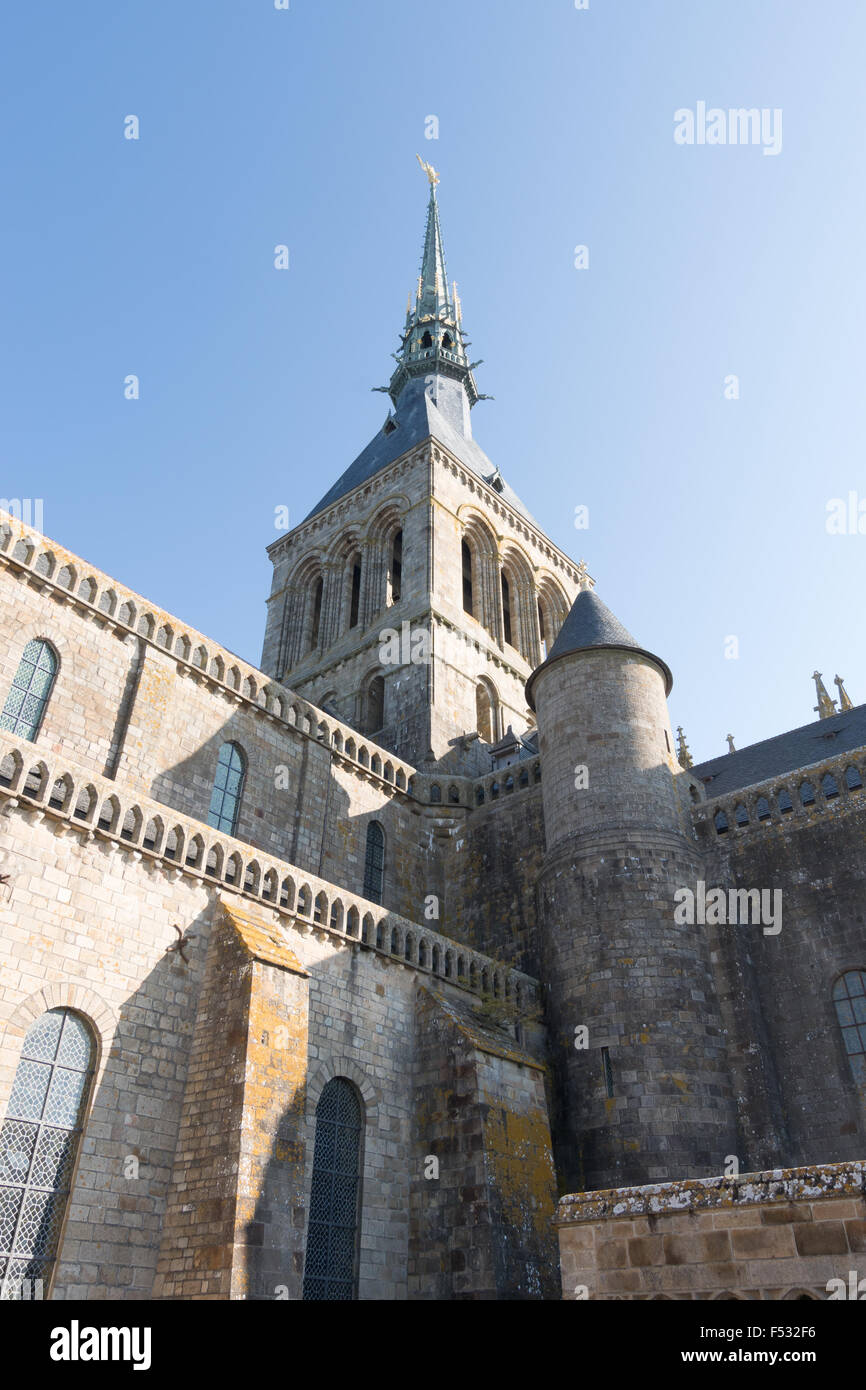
(844, 697)
(825, 707)
(684, 757)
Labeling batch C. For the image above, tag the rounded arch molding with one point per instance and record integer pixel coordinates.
(347, 1067)
(64, 995)
(390, 511)
(37, 632)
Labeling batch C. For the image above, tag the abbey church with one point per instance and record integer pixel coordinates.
(419, 961)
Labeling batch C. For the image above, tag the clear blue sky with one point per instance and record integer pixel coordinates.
(259, 126)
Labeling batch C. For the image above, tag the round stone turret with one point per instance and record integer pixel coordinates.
(641, 1076)
(604, 732)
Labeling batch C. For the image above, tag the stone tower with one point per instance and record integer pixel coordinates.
(643, 1094)
(420, 537)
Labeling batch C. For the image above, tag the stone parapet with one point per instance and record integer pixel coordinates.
(786, 1233)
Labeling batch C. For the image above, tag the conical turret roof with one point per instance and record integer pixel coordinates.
(591, 626)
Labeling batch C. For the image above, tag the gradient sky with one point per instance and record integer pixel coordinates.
(259, 127)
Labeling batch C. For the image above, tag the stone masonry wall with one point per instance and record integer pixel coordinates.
(134, 712)
(798, 1098)
(491, 872)
(481, 1221)
(788, 1233)
(88, 926)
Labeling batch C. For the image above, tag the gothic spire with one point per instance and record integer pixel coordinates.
(433, 342)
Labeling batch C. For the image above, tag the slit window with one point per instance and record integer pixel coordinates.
(607, 1072)
(397, 567)
(467, 578)
(374, 862)
(506, 610)
(355, 604)
(317, 614)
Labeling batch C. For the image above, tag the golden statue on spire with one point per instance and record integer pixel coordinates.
(429, 171)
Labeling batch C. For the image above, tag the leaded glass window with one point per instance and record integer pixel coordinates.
(374, 862)
(228, 788)
(330, 1268)
(849, 996)
(38, 1143)
(30, 689)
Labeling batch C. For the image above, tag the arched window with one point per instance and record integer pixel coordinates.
(355, 598)
(228, 786)
(374, 862)
(30, 689)
(330, 1267)
(38, 1144)
(397, 568)
(375, 711)
(506, 609)
(849, 996)
(467, 578)
(552, 611)
(317, 614)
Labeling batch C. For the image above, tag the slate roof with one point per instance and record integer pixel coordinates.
(773, 757)
(417, 418)
(591, 624)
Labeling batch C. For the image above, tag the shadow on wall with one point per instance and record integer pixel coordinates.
(289, 805)
(114, 1217)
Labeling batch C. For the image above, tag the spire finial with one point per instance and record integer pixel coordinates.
(684, 757)
(730, 738)
(584, 578)
(432, 176)
(844, 697)
(438, 347)
(825, 708)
